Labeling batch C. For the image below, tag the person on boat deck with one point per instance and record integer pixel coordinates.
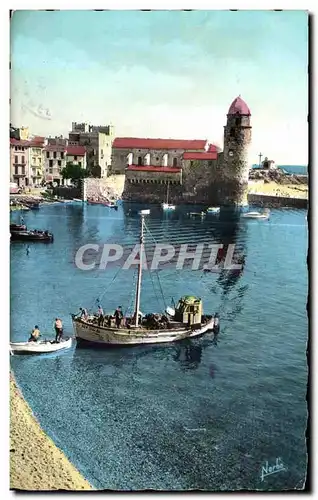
(21, 220)
(216, 325)
(118, 316)
(35, 334)
(100, 314)
(83, 313)
(58, 325)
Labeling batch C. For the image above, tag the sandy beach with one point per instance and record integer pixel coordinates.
(276, 189)
(35, 462)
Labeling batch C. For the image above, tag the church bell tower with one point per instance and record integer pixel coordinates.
(237, 139)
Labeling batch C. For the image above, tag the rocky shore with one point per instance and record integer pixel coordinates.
(36, 464)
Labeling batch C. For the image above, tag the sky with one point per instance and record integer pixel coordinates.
(164, 74)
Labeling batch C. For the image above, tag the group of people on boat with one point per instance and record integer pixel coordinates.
(102, 318)
(58, 327)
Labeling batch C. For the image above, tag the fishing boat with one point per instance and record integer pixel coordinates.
(213, 210)
(17, 227)
(40, 347)
(32, 235)
(257, 215)
(185, 320)
(167, 205)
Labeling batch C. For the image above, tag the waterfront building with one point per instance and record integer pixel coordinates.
(55, 160)
(97, 140)
(36, 159)
(76, 155)
(19, 162)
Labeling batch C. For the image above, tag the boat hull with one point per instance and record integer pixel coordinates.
(41, 347)
(29, 236)
(88, 332)
(256, 216)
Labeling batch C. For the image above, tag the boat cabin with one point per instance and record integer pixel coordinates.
(189, 310)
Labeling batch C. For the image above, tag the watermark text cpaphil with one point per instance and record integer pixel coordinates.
(205, 256)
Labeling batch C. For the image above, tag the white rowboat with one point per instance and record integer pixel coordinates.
(256, 215)
(42, 346)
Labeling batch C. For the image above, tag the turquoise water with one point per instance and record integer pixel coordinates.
(206, 414)
(292, 169)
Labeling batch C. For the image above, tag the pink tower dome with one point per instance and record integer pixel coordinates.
(239, 106)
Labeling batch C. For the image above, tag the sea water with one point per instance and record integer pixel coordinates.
(209, 414)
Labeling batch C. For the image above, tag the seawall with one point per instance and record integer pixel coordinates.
(277, 201)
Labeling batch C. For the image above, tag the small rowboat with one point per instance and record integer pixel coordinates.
(197, 214)
(40, 347)
(257, 215)
(213, 210)
(167, 206)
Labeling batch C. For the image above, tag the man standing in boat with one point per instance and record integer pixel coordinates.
(118, 316)
(58, 325)
(100, 314)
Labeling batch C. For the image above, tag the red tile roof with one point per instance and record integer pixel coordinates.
(59, 148)
(198, 155)
(239, 106)
(37, 138)
(137, 143)
(75, 151)
(151, 168)
(213, 148)
(18, 142)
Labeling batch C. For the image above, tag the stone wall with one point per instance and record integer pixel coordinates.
(203, 182)
(110, 187)
(67, 193)
(277, 201)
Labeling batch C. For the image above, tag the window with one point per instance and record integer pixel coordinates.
(210, 163)
(54, 154)
(238, 121)
(75, 158)
(48, 154)
(232, 132)
(59, 162)
(22, 149)
(23, 171)
(62, 155)
(15, 148)
(50, 163)
(139, 161)
(15, 159)
(80, 164)
(175, 162)
(157, 159)
(23, 159)
(50, 170)
(101, 152)
(16, 170)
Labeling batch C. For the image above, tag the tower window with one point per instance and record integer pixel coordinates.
(139, 161)
(238, 121)
(175, 162)
(232, 132)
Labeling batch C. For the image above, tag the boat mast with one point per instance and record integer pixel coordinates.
(138, 288)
